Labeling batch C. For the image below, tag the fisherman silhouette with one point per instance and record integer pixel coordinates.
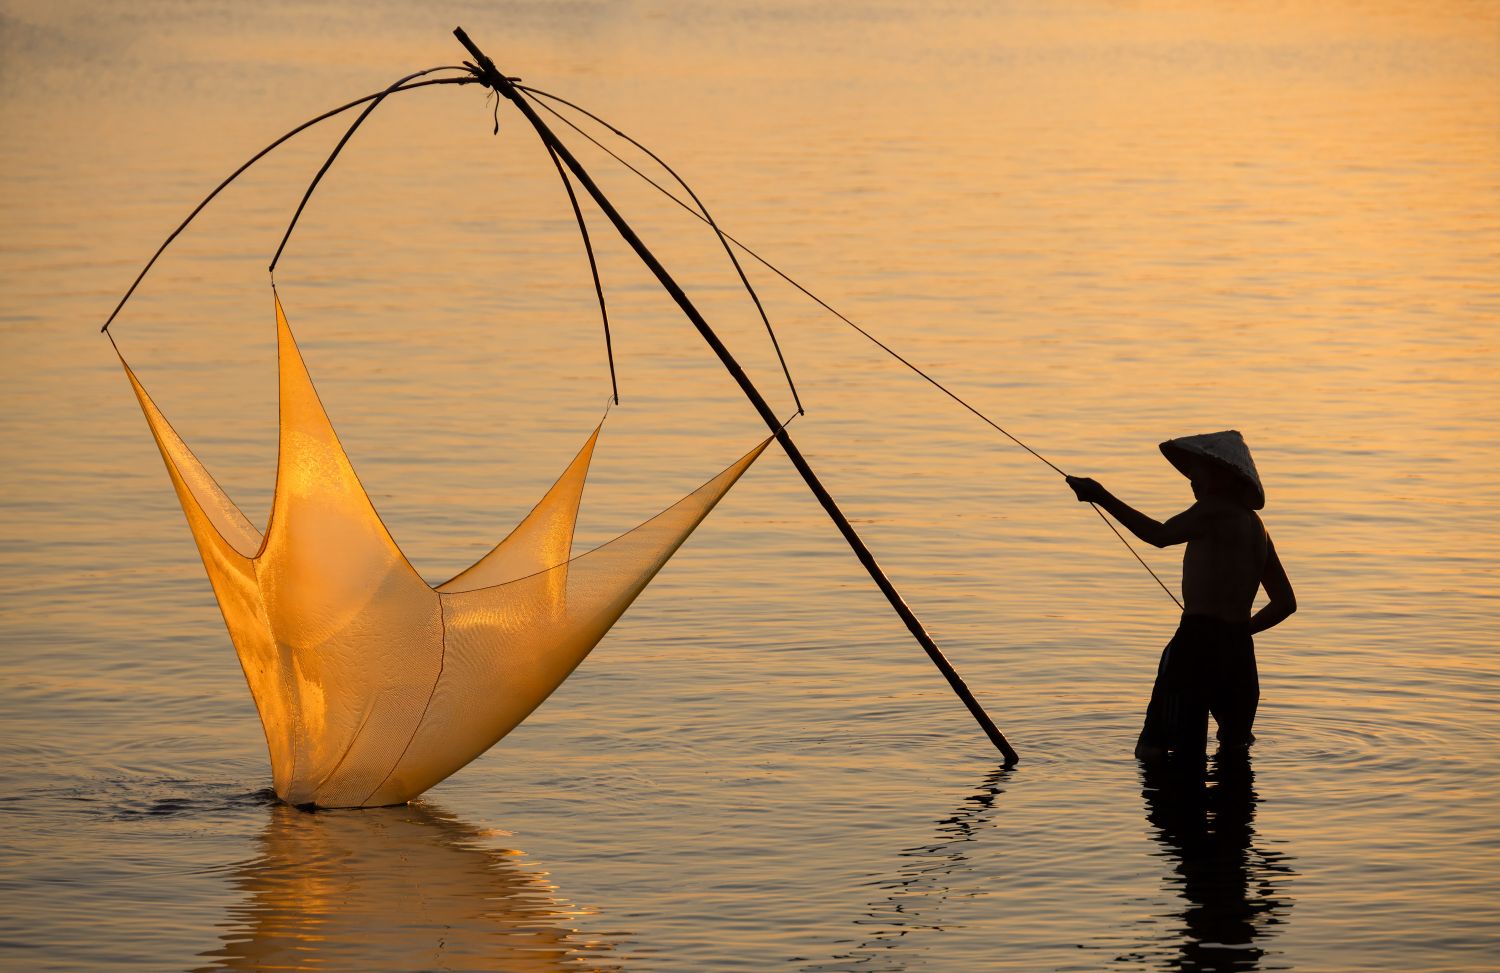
(1209, 664)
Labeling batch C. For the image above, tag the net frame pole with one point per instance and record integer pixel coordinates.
(497, 81)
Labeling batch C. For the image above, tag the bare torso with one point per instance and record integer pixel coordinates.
(1229, 554)
(1224, 561)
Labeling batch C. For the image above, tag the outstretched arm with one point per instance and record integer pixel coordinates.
(1180, 529)
(1278, 588)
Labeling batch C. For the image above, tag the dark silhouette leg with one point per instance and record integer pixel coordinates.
(1177, 716)
(1236, 694)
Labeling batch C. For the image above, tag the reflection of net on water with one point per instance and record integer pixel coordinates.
(371, 685)
(407, 888)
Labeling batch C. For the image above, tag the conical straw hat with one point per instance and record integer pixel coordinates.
(1227, 448)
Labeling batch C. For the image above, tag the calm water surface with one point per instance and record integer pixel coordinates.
(1106, 224)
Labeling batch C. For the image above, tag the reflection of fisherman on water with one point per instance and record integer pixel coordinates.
(1235, 889)
(402, 888)
(927, 878)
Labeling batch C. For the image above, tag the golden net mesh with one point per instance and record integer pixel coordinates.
(372, 685)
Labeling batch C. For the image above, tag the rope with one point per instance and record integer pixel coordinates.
(1132, 550)
(466, 79)
(727, 238)
(701, 213)
(766, 263)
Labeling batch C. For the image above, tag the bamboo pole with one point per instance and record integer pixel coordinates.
(502, 86)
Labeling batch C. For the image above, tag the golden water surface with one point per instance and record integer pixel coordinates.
(1104, 224)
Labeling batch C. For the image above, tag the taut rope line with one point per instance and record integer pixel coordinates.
(728, 238)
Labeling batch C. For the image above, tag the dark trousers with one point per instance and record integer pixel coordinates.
(1208, 667)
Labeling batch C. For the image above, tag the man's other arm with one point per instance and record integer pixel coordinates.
(1278, 588)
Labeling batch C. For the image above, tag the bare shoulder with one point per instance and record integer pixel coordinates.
(1228, 513)
(1231, 524)
(1190, 525)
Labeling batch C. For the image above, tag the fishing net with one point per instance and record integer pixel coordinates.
(371, 685)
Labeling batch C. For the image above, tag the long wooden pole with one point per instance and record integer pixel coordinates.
(496, 80)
